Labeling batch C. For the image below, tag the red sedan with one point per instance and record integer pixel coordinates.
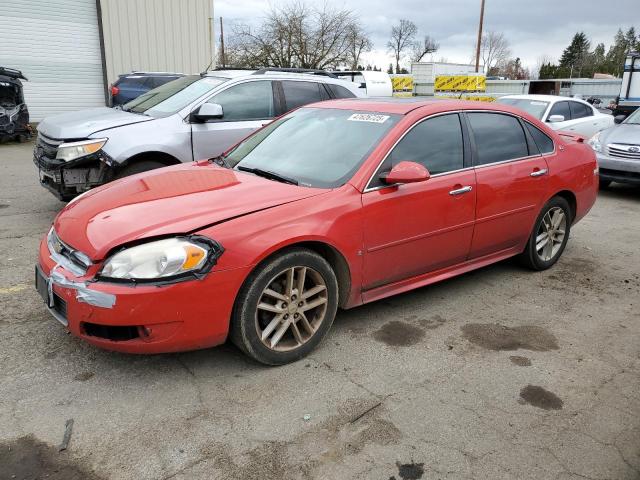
(333, 205)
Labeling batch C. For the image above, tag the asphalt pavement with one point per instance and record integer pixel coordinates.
(501, 373)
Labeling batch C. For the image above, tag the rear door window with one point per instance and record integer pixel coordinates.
(580, 110)
(297, 94)
(560, 108)
(498, 138)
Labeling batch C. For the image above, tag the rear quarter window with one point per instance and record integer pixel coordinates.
(541, 139)
(340, 92)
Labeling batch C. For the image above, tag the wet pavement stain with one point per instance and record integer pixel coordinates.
(28, 458)
(409, 471)
(541, 398)
(498, 337)
(399, 334)
(84, 376)
(433, 322)
(520, 361)
(4, 205)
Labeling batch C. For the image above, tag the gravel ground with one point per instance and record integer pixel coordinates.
(500, 373)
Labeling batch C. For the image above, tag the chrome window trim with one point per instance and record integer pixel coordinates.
(373, 189)
(368, 189)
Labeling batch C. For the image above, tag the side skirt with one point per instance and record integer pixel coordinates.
(436, 276)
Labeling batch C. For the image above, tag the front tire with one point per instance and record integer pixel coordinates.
(549, 236)
(285, 307)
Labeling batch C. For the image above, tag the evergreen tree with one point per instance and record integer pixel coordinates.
(575, 56)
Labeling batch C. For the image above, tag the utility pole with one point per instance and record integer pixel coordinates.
(222, 59)
(479, 36)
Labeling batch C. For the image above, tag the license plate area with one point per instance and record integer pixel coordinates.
(56, 305)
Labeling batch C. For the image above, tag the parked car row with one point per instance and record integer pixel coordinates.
(190, 118)
(334, 204)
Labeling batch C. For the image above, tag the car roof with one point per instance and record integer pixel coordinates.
(403, 106)
(545, 98)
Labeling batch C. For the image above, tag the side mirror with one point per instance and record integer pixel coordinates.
(619, 118)
(406, 172)
(556, 118)
(208, 111)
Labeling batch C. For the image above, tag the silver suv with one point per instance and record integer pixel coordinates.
(191, 118)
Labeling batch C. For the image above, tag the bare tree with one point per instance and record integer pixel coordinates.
(402, 37)
(359, 43)
(299, 35)
(426, 46)
(494, 50)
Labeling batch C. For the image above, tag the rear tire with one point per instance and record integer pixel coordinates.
(549, 236)
(285, 307)
(139, 167)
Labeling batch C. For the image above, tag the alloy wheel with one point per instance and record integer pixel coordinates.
(291, 308)
(551, 233)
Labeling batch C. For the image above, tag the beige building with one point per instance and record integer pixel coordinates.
(72, 50)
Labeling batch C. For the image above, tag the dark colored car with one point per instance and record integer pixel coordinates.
(14, 116)
(131, 85)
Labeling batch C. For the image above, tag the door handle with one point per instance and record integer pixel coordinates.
(460, 191)
(539, 173)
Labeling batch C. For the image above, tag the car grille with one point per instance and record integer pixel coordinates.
(4, 120)
(629, 152)
(48, 146)
(64, 255)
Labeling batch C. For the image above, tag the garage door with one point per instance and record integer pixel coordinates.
(56, 45)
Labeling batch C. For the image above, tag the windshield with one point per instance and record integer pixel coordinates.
(535, 108)
(173, 96)
(634, 117)
(315, 147)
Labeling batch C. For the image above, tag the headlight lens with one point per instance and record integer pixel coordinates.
(71, 151)
(161, 259)
(594, 142)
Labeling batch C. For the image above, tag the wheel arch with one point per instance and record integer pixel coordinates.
(156, 156)
(571, 199)
(330, 253)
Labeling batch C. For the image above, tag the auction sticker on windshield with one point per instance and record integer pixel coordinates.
(368, 117)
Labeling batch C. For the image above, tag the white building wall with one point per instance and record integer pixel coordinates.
(55, 43)
(157, 35)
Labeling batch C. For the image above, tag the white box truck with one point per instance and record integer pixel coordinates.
(629, 98)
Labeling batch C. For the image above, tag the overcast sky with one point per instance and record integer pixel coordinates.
(533, 27)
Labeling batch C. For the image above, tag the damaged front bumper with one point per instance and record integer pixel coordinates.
(69, 179)
(182, 316)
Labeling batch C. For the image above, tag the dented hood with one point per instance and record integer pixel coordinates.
(166, 201)
(77, 125)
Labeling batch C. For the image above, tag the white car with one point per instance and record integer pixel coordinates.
(562, 113)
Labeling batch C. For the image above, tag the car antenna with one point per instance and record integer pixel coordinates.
(204, 73)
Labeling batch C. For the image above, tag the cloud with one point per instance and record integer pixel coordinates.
(533, 28)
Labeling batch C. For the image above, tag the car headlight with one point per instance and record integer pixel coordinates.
(71, 151)
(169, 259)
(594, 142)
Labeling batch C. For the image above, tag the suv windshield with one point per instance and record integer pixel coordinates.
(315, 147)
(535, 108)
(173, 96)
